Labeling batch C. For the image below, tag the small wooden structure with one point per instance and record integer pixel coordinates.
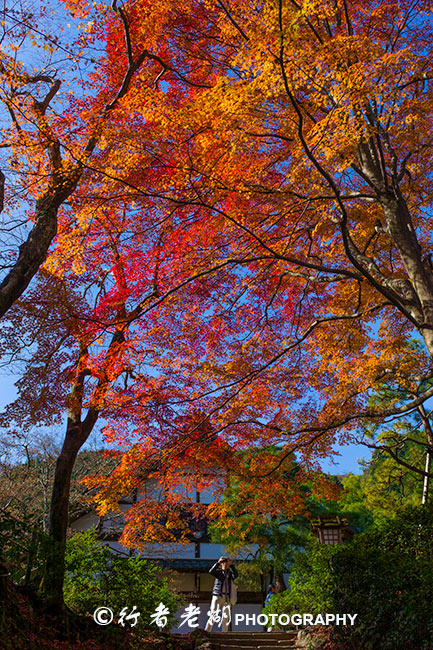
(331, 529)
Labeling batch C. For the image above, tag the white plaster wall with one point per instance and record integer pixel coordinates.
(169, 551)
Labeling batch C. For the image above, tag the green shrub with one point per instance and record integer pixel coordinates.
(96, 576)
(385, 576)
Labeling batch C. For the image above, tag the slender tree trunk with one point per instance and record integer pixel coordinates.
(426, 477)
(31, 557)
(429, 433)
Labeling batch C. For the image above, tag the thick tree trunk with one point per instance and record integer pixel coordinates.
(77, 432)
(418, 269)
(52, 584)
(413, 295)
(33, 252)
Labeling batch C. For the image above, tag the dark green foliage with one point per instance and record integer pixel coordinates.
(22, 548)
(95, 576)
(385, 576)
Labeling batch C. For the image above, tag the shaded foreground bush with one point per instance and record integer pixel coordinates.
(95, 576)
(385, 576)
(25, 625)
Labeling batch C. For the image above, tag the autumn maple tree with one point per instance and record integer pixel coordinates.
(302, 156)
(293, 140)
(80, 342)
(49, 132)
(250, 240)
(49, 144)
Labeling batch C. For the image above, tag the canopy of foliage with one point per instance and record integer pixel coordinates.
(239, 199)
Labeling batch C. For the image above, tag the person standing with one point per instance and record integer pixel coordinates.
(273, 589)
(223, 593)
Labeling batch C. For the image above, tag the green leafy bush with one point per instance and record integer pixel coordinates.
(385, 576)
(96, 576)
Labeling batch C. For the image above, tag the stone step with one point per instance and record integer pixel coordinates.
(233, 639)
(254, 645)
(263, 642)
(253, 640)
(255, 635)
